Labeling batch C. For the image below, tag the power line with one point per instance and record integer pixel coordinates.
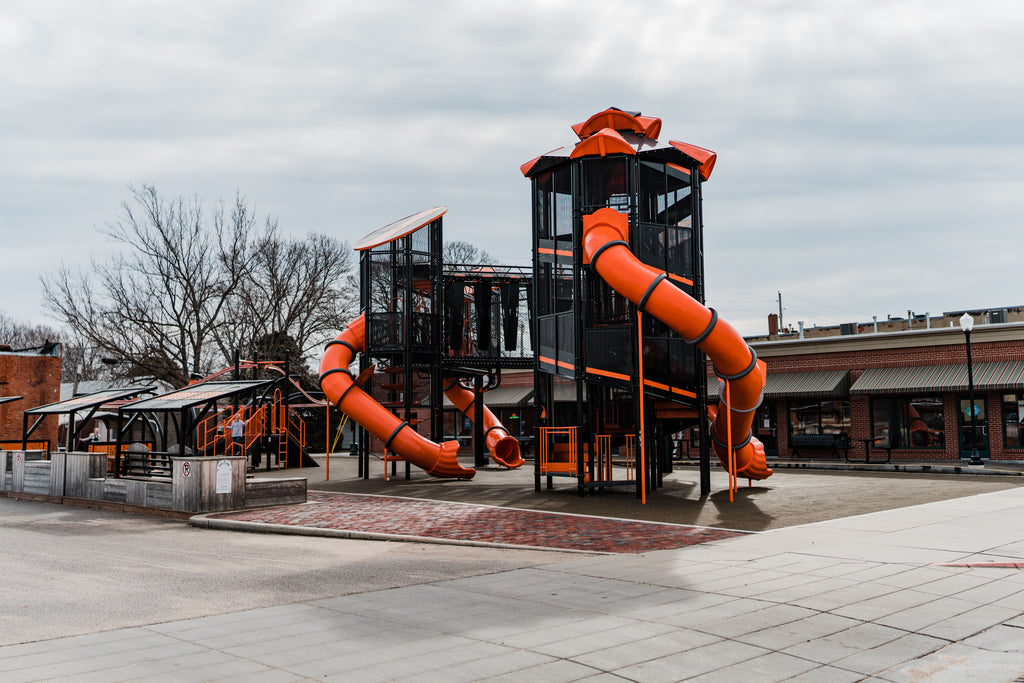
(837, 308)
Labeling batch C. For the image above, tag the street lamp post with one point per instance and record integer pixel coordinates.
(967, 324)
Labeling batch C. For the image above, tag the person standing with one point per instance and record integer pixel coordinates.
(238, 433)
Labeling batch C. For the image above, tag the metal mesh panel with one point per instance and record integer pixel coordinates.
(385, 330)
(610, 349)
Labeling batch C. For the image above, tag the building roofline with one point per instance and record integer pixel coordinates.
(940, 336)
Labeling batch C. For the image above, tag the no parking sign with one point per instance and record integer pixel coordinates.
(186, 469)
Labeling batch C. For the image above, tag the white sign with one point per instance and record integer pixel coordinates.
(223, 477)
(186, 469)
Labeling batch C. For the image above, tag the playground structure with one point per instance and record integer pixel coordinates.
(619, 276)
(429, 331)
(618, 330)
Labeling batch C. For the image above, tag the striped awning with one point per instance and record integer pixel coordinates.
(991, 376)
(504, 396)
(821, 383)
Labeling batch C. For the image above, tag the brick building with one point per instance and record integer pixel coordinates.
(903, 392)
(35, 376)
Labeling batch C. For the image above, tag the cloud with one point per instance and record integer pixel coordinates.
(879, 139)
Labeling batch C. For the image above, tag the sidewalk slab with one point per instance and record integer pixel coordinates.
(878, 606)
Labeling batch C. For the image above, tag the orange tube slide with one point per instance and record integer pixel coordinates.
(605, 247)
(337, 383)
(503, 447)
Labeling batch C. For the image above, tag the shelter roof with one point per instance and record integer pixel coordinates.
(88, 401)
(195, 394)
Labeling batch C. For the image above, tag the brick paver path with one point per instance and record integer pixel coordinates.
(467, 522)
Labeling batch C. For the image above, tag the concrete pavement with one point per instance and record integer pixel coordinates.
(787, 498)
(866, 597)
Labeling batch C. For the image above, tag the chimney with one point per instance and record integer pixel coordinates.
(773, 324)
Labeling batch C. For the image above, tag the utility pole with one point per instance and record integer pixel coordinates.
(781, 326)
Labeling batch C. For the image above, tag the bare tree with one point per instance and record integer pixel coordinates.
(190, 284)
(154, 304)
(23, 336)
(460, 255)
(83, 363)
(296, 290)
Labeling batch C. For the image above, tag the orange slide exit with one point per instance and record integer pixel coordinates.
(503, 447)
(339, 386)
(606, 249)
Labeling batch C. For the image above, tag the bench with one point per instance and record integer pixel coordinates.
(831, 442)
(145, 465)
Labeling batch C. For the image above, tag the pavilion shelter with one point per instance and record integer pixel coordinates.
(171, 420)
(79, 411)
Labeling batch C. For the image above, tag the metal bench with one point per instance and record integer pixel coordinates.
(830, 442)
(145, 465)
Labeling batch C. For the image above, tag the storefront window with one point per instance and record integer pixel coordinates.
(908, 422)
(1013, 417)
(819, 417)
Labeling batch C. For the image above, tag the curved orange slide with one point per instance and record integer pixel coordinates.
(606, 249)
(503, 447)
(339, 386)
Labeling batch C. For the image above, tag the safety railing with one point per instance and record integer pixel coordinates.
(603, 456)
(15, 445)
(557, 450)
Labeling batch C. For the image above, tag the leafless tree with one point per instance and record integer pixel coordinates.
(297, 290)
(460, 255)
(80, 362)
(19, 335)
(186, 285)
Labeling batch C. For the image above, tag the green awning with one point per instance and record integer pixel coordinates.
(820, 383)
(991, 376)
(1007, 374)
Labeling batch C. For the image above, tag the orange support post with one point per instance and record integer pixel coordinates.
(642, 463)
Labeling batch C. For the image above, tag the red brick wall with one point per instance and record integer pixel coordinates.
(37, 379)
(860, 409)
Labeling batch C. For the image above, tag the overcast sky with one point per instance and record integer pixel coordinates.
(869, 153)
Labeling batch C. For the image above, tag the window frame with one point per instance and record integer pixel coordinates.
(899, 406)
